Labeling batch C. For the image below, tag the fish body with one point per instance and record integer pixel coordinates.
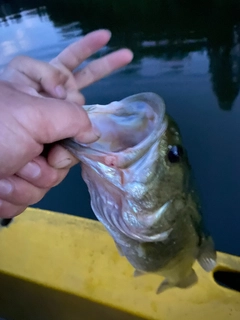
(139, 181)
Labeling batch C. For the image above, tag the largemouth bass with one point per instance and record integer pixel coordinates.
(138, 178)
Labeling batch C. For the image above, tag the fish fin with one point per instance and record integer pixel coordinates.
(138, 273)
(186, 282)
(189, 281)
(119, 249)
(207, 256)
(164, 286)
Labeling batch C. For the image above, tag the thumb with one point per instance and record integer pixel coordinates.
(51, 120)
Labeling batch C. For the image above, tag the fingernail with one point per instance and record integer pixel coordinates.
(91, 136)
(96, 131)
(5, 187)
(63, 163)
(60, 91)
(30, 170)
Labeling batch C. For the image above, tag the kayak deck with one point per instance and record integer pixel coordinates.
(58, 266)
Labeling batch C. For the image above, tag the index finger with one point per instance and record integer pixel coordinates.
(76, 53)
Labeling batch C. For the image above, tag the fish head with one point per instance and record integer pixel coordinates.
(137, 171)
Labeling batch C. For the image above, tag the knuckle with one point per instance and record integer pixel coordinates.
(30, 195)
(76, 97)
(52, 180)
(17, 61)
(38, 197)
(56, 72)
(29, 198)
(59, 75)
(88, 73)
(93, 72)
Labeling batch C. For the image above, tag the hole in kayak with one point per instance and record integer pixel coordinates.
(228, 279)
(6, 222)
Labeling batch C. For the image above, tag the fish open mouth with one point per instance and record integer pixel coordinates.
(130, 133)
(122, 124)
(128, 128)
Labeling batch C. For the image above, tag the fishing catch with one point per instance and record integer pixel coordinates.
(138, 178)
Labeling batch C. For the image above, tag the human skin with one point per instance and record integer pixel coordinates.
(40, 104)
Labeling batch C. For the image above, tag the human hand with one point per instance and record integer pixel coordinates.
(27, 123)
(38, 79)
(60, 81)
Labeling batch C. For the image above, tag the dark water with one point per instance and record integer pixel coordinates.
(186, 51)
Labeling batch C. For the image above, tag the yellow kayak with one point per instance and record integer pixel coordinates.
(58, 266)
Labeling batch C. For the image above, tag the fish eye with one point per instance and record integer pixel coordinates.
(175, 153)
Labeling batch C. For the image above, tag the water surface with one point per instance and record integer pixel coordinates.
(189, 53)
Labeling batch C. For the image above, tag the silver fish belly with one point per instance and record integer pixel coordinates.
(138, 177)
